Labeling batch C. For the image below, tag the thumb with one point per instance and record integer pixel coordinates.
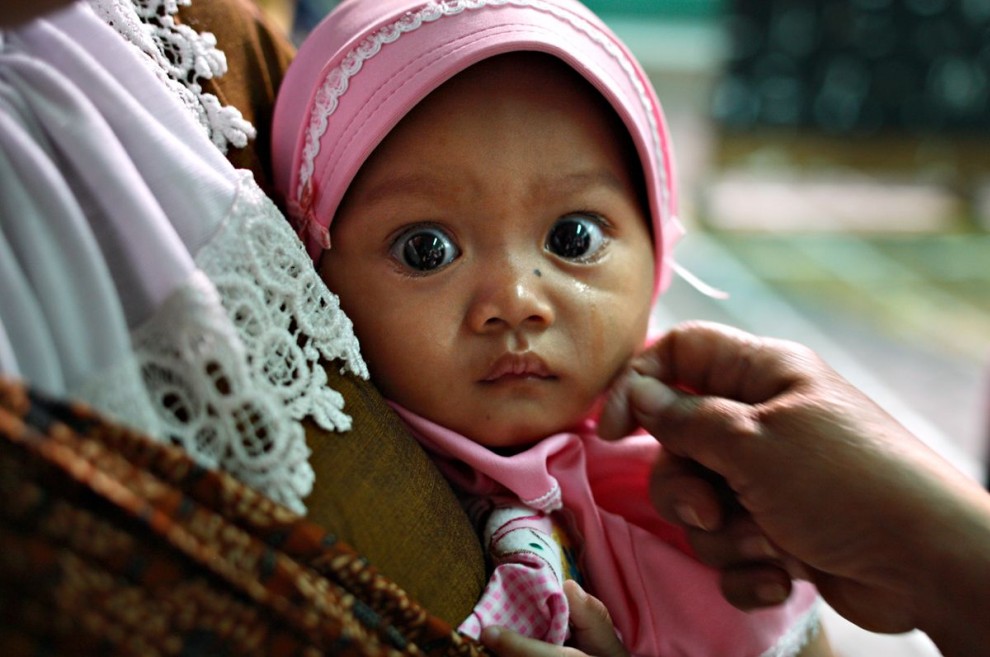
(707, 429)
(592, 630)
(616, 419)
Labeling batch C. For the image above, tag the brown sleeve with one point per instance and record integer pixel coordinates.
(257, 57)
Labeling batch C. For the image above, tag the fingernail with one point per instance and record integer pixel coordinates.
(689, 516)
(490, 634)
(771, 593)
(578, 590)
(647, 364)
(757, 547)
(649, 396)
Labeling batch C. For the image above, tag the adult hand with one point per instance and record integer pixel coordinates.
(592, 632)
(819, 480)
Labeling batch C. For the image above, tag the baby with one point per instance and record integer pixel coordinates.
(488, 187)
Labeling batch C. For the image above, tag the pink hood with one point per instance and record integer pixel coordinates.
(371, 61)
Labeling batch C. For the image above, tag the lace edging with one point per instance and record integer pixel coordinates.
(180, 57)
(549, 501)
(285, 315)
(799, 635)
(119, 393)
(192, 373)
(232, 360)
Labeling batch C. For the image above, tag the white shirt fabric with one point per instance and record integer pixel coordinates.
(139, 271)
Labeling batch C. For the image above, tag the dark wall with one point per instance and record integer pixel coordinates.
(852, 67)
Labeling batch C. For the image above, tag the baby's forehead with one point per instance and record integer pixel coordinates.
(522, 78)
(529, 65)
(528, 103)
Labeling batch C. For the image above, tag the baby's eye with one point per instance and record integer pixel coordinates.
(425, 249)
(576, 237)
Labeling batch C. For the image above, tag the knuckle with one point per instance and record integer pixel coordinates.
(742, 426)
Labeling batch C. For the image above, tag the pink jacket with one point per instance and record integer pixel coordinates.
(663, 601)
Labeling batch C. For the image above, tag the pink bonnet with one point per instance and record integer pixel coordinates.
(371, 61)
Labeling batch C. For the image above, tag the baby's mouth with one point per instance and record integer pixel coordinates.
(518, 366)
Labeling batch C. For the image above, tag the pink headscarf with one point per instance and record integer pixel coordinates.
(371, 61)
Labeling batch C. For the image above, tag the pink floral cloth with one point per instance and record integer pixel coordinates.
(663, 601)
(525, 592)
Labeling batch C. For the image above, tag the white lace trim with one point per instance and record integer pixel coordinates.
(283, 311)
(195, 377)
(119, 392)
(180, 57)
(549, 501)
(231, 361)
(799, 635)
(337, 80)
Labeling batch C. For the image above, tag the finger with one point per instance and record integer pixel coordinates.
(739, 543)
(710, 430)
(685, 495)
(713, 359)
(755, 586)
(616, 420)
(592, 629)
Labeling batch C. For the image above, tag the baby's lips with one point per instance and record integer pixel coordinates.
(518, 364)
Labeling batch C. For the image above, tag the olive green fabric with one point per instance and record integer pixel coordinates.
(375, 487)
(378, 489)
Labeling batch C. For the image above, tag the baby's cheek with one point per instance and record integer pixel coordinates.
(613, 338)
(596, 333)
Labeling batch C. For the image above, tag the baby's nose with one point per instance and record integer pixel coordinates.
(511, 296)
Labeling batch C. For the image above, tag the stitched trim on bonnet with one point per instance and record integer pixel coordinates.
(180, 57)
(337, 80)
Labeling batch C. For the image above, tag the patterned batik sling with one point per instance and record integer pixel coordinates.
(113, 544)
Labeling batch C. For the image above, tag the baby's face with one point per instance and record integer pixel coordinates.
(494, 256)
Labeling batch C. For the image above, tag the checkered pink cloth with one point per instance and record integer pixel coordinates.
(525, 598)
(525, 592)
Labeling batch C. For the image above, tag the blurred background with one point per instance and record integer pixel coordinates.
(834, 161)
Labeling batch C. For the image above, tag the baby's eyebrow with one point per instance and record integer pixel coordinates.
(406, 185)
(550, 184)
(575, 181)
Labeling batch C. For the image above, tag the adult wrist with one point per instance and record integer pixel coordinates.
(954, 573)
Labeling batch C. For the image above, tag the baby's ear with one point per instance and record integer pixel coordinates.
(616, 420)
